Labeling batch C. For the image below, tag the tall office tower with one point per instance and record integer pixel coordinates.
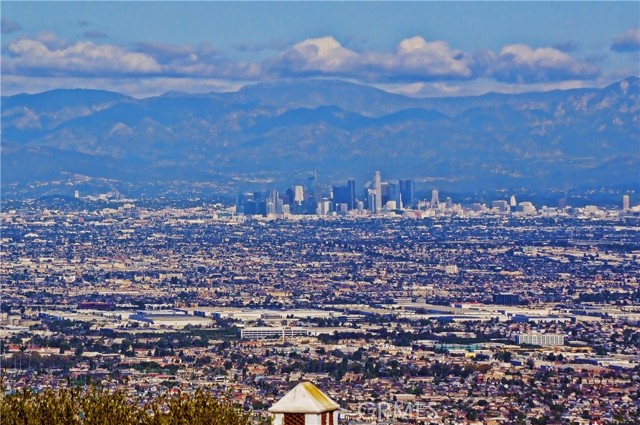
(242, 200)
(340, 194)
(288, 196)
(435, 201)
(313, 190)
(408, 193)
(395, 195)
(313, 194)
(249, 207)
(274, 195)
(351, 185)
(261, 198)
(377, 186)
(270, 207)
(384, 188)
(275, 200)
(512, 201)
(449, 203)
(298, 195)
(625, 203)
(311, 185)
(371, 200)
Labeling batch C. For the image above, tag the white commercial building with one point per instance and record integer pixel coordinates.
(544, 340)
(263, 332)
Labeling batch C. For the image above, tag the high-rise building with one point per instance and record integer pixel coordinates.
(449, 203)
(249, 207)
(377, 186)
(407, 190)
(261, 198)
(384, 188)
(371, 200)
(435, 200)
(240, 201)
(351, 185)
(287, 196)
(512, 201)
(298, 195)
(311, 184)
(625, 203)
(314, 194)
(341, 194)
(270, 207)
(394, 194)
(345, 194)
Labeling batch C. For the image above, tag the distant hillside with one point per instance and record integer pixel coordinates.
(279, 131)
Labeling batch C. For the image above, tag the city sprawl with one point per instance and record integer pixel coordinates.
(402, 310)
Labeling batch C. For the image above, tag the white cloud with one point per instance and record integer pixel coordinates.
(524, 64)
(414, 59)
(416, 66)
(51, 40)
(432, 58)
(48, 55)
(35, 56)
(316, 55)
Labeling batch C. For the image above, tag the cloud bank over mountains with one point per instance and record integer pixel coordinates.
(48, 61)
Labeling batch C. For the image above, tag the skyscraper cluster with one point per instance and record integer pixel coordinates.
(377, 196)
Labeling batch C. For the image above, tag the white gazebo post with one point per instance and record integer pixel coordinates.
(305, 405)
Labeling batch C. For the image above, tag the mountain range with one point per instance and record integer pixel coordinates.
(276, 133)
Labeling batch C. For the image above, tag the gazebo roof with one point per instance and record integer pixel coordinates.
(304, 398)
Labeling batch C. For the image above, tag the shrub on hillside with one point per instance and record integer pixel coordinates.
(99, 406)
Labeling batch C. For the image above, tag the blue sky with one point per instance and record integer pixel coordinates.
(415, 48)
